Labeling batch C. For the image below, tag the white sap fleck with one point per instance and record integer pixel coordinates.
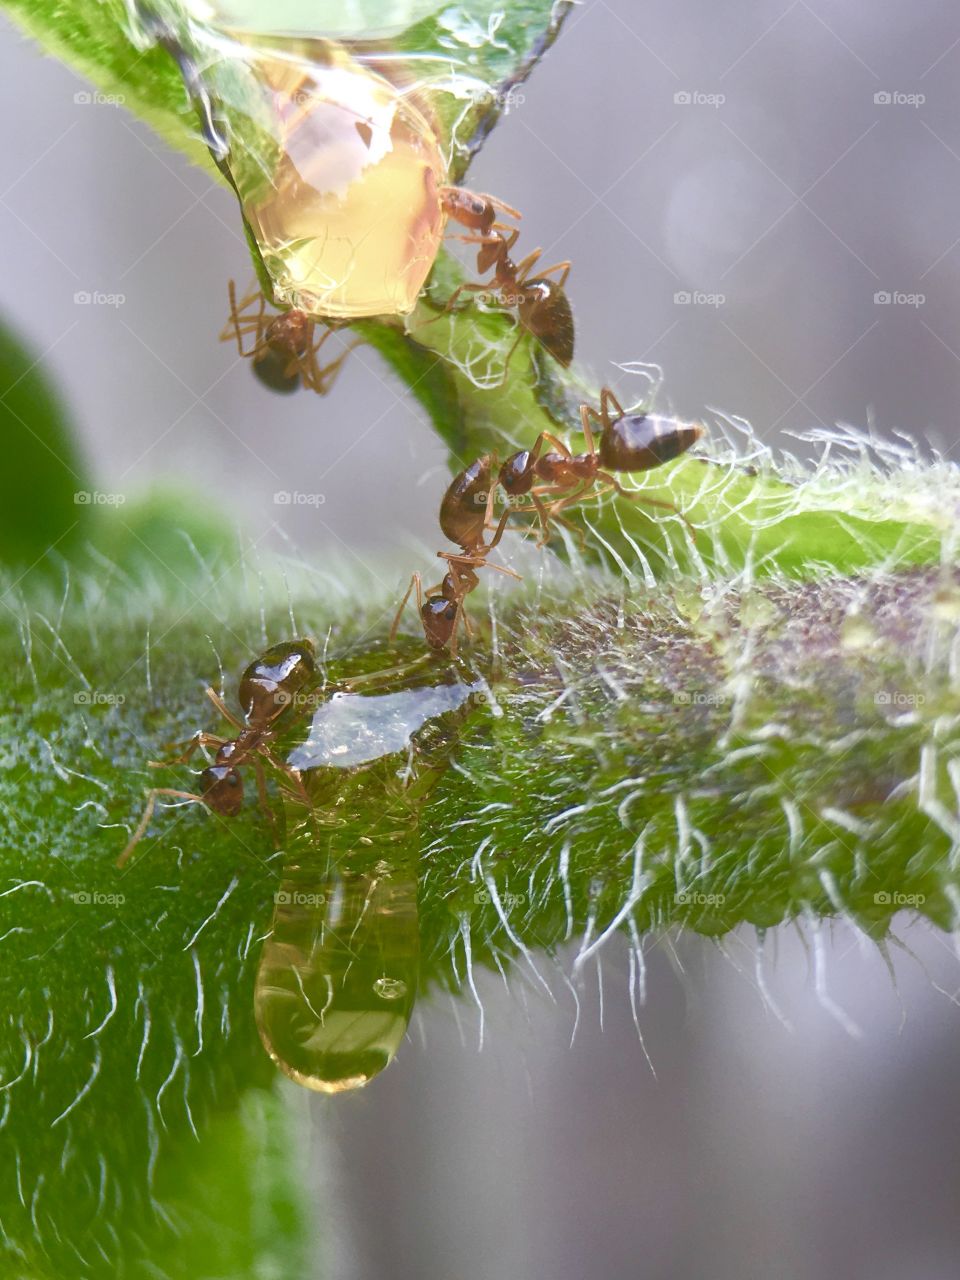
(353, 729)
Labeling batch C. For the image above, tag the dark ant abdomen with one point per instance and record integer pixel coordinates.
(270, 683)
(549, 317)
(463, 511)
(639, 442)
(271, 370)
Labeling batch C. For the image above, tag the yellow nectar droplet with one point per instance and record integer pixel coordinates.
(338, 975)
(342, 194)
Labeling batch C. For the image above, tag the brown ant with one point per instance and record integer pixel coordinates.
(628, 443)
(542, 306)
(475, 211)
(267, 687)
(464, 518)
(284, 352)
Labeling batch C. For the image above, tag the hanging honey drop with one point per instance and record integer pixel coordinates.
(338, 172)
(338, 975)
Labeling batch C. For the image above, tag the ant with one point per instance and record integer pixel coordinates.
(542, 306)
(267, 687)
(464, 518)
(475, 211)
(283, 352)
(628, 443)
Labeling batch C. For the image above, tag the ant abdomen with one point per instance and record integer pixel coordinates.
(463, 511)
(270, 683)
(221, 788)
(272, 370)
(550, 320)
(639, 442)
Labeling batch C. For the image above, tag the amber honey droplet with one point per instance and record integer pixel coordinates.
(338, 975)
(348, 217)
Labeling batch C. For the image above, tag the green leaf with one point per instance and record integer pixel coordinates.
(742, 753)
(44, 482)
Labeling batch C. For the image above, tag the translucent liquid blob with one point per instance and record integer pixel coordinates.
(338, 173)
(338, 976)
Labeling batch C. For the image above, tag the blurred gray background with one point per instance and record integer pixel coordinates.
(734, 195)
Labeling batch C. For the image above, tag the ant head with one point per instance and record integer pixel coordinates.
(269, 684)
(516, 475)
(222, 789)
(439, 618)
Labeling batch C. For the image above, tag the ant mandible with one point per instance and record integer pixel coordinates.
(464, 518)
(284, 352)
(629, 443)
(267, 687)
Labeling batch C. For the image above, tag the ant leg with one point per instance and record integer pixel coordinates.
(234, 321)
(468, 287)
(607, 398)
(222, 707)
(637, 495)
(199, 739)
(321, 380)
(586, 413)
(415, 582)
(148, 814)
(263, 798)
(563, 268)
(453, 558)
